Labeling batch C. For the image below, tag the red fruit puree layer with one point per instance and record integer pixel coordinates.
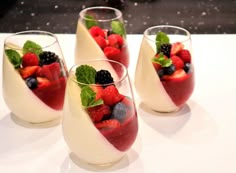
(123, 137)
(52, 94)
(180, 89)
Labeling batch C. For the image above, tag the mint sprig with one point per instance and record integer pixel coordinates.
(90, 21)
(161, 38)
(14, 57)
(164, 62)
(85, 74)
(118, 28)
(88, 96)
(33, 47)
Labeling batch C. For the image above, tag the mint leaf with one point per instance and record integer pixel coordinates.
(85, 74)
(161, 38)
(14, 57)
(88, 96)
(33, 47)
(90, 21)
(118, 28)
(164, 62)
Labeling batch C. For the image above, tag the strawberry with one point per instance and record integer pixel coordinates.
(111, 95)
(108, 124)
(176, 48)
(177, 75)
(115, 40)
(98, 90)
(30, 59)
(39, 72)
(101, 41)
(43, 82)
(97, 113)
(177, 61)
(111, 52)
(96, 31)
(51, 71)
(28, 71)
(185, 55)
(157, 66)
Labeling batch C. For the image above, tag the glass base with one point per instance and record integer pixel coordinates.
(27, 124)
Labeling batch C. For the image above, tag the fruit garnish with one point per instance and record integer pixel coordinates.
(103, 77)
(31, 46)
(101, 41)
(42, 81)
(111, 95)
(14, 57)
(185, 55)
(169, 70)
(88, 97)
(187, 67)
(98, 90)
(115, 40)
(176, 48)
(31, 82)
(51, 71)
(165, 49)
(177, 61)
(162, 60)
(161, 38)
(111, 52)
(90, 21)
(30, 59)
(119, 112)
(99, 112)
(178, 74)
(118, 28)
(108, 124)
(85, 74)
(28, 71)
(47, 57)
(96, 31)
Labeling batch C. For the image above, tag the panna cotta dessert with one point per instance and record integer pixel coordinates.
(164, 77)
(100, 120)
(101, 33)
(34, 76)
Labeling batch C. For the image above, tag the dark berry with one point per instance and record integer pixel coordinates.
(165, 49)
(119, 112)
(160, 73)
(187, 67)
(31, 82)
(103, 77)
(47, 57)
(169, 70)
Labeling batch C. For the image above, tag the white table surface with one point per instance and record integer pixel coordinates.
(201, 138)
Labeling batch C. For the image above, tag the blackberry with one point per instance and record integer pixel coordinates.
(47, 57)
(103, 77)
(165, 49)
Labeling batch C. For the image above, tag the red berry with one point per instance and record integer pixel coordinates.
(185, 55)
(111, 95)
(115, 40)
(101, 41)
(177, 61)
(97, 113)
(30, 59)
(52, 71)
(98, 90)
(178, 75)
(108, 124)
(176, 48)
(96, 31)
(43, 82)
(28, 71)
(111, 52)
(39, 72)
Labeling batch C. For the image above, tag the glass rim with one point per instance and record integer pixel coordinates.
(117, 11)
(188, 35)
(29, 32)
(72, 70)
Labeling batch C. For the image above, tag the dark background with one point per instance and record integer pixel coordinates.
(60, 16)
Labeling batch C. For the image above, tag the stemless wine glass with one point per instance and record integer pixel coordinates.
(34, 76)
(101, 33)
(100, 120)
(164, 77)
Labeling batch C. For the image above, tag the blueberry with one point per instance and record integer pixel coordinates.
(160, 73)
(119, 112)
(31, 82)
(169, 70)
(187, 67)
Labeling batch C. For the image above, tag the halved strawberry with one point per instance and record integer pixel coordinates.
(111, 95)
(43, 82)
(108, 124)
(115, 40)
(177, 75)
(101, 41)
(98, 90)
(30, 59)
(39, 72)
(52, 71)
(111, 52)
(176, 48)
(28, 71)
(185, 55)
(96, 31)
(97, 113)
(177, 61)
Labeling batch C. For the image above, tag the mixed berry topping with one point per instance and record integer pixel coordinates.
(47, 57)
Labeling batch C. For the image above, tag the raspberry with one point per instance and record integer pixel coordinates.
(185, 55)
(30, 59)
(101, 41)
(47, 57)
(111, 52)
(178, 62)
(165, 49)
(103, 77)
(96, 31)
(97, 113)
(115, 40)
(111, 95)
